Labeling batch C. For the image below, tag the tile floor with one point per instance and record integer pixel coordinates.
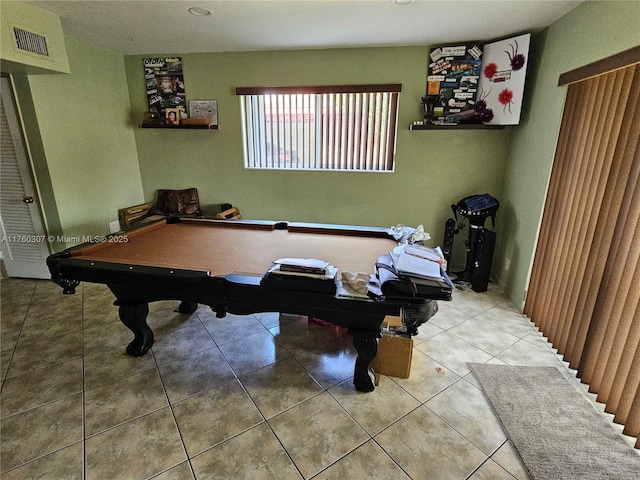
(246, 397)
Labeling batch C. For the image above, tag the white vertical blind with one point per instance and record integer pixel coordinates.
(324, 130)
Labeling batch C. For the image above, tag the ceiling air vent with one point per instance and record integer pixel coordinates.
(30, 42)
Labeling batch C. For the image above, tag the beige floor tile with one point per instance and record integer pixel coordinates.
(390, 400)
(526, 353)
(302, 335)
(179, 472)
(490, 470)
(494, 294)
(16, 287)
(507, 320)
(366, 462)
(92, 289)
(9, 337)
(317, 433)
(46, 291)
(37, 387)
(106, 366)
(483, 335)
(100, 310)
(448, 316)
(167, 320)
(508, 459)
(107, 336)
(255, 454)
(67, 464)
(280, 386)
(138, 449)
(465, 408)
(32, 355)
(231, 327)
(538, 340)
(452, 352)
(426, 331)
(273, 319)
(195, 373)
(329, 363)
(294, 372)
(5, 360)
(14, 310)
(123, 400)
(181, 342)
(215, 415)
(253, 352)
(37, 329)
(427, 377)
(427, 448)
(40, 431)
(470, 302)
(54, 307)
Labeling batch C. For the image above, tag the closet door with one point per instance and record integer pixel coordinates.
(24, 243)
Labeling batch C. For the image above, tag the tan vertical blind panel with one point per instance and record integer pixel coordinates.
(584, 292)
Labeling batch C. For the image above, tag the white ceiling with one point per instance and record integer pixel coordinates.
(152, 27)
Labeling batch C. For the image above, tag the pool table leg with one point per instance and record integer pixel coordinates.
(134, 316)
(187, 307)
(367, 349)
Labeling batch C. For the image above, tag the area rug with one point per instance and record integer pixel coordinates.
(557, 432)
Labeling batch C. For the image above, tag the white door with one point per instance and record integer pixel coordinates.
(24, 242)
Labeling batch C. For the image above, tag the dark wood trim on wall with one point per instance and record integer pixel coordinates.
(614, 62)
(394, 87)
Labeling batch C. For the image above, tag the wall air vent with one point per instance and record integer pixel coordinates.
(30, 42)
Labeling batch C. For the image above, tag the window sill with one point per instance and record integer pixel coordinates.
(462, 126)
(179, 127)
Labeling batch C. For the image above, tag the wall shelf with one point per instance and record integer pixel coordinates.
(181, 127)
(463, 126)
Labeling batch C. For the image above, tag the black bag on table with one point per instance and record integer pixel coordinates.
(424, 292)
(394, 285)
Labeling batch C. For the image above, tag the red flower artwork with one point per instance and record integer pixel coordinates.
(490, 70)
(505, 97)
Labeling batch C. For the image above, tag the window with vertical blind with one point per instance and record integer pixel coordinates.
(332, 128)
(584, 292)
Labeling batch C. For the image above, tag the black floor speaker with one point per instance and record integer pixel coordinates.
(485, 243)
(447, 243)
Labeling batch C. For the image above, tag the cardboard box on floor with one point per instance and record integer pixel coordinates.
(394, 353)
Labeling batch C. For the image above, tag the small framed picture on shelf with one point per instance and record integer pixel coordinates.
(172, 116)
(204, 109)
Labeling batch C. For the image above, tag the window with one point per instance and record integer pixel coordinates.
(344, 128)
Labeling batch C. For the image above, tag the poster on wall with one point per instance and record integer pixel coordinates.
(165, 84)
(452, 84)
(501, 85)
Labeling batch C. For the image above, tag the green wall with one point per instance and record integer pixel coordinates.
(87, 139)
(433, 168)
(593, 31)
(99, 161)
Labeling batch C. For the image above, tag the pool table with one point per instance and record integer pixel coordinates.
(220, 263)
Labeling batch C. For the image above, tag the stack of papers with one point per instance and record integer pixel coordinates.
(304, 267)
(418, 261)
(301, 274)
